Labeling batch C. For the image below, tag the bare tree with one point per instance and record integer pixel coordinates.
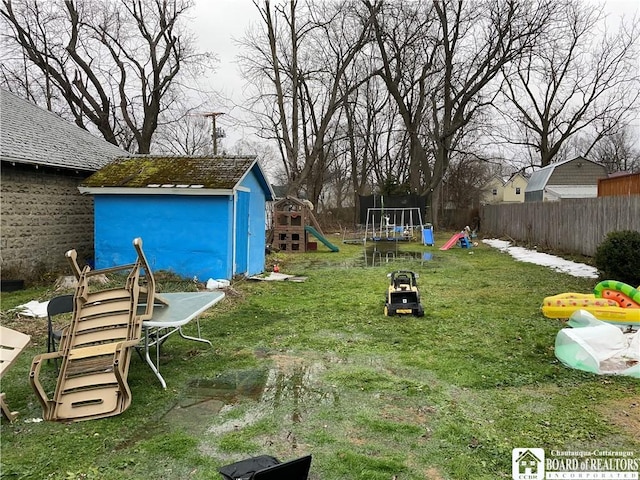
(619, 152)
(188, 134)
(465, 178)
(455, 50)
(404, 35)
(580, 80)
(371, 137)
(113, 63)
(298, 63)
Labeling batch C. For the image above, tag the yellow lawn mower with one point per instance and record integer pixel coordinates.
(403, 297)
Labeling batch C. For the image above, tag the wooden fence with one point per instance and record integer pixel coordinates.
(571, 225)
(619, 185)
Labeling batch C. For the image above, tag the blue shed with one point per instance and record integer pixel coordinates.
(198, 217)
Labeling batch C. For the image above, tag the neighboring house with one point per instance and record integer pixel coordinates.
(576, 178)
(493, 191)
(514, 188)
(43, 159)
(198, 217)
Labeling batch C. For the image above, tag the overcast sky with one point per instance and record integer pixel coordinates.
(218, 22)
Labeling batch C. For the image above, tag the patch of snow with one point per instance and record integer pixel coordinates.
(556, 263)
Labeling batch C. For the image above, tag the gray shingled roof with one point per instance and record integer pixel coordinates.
(181, 172)
(32, 135)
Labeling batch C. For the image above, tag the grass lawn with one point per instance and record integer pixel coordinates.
(315, 367)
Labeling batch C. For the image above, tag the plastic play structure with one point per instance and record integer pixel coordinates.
(293, 223)
(611, 301)
(427, 235)
(462, 238)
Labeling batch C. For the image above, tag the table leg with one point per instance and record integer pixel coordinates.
(195, 339)
(147, 357)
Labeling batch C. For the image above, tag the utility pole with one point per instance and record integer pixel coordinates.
(214, 130)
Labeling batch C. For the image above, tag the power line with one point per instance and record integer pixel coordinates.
(214, 131)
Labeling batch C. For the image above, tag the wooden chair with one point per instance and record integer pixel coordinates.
(11, 344)
(147, 282)
(96, 347)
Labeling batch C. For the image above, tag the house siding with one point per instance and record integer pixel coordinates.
(189, 235)
(487, 192)
(42, 216)
(510, 189)
(577, 172)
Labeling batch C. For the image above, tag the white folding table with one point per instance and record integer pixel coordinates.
(168, 319)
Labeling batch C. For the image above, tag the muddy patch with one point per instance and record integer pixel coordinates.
(433, 474)
(291, 387)
(204, 399)
(234, 400)
(625, 414)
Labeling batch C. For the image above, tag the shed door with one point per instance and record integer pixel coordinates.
(242, 233)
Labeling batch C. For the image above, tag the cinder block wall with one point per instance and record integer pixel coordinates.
(42, 216)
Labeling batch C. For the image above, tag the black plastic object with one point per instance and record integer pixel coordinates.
(265, 467)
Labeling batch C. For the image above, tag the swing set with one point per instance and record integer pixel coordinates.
(393, 224)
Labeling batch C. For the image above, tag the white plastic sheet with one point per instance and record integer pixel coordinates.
(33, 309)
(598, 347)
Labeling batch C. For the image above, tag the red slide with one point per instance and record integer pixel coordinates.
(452, 241)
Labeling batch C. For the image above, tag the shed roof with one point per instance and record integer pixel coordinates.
(540, 178)
(183, 173)
(33, 135)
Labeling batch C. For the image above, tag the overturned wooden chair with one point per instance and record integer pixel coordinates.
(11, 345)
(95, 349)
(147, 282)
